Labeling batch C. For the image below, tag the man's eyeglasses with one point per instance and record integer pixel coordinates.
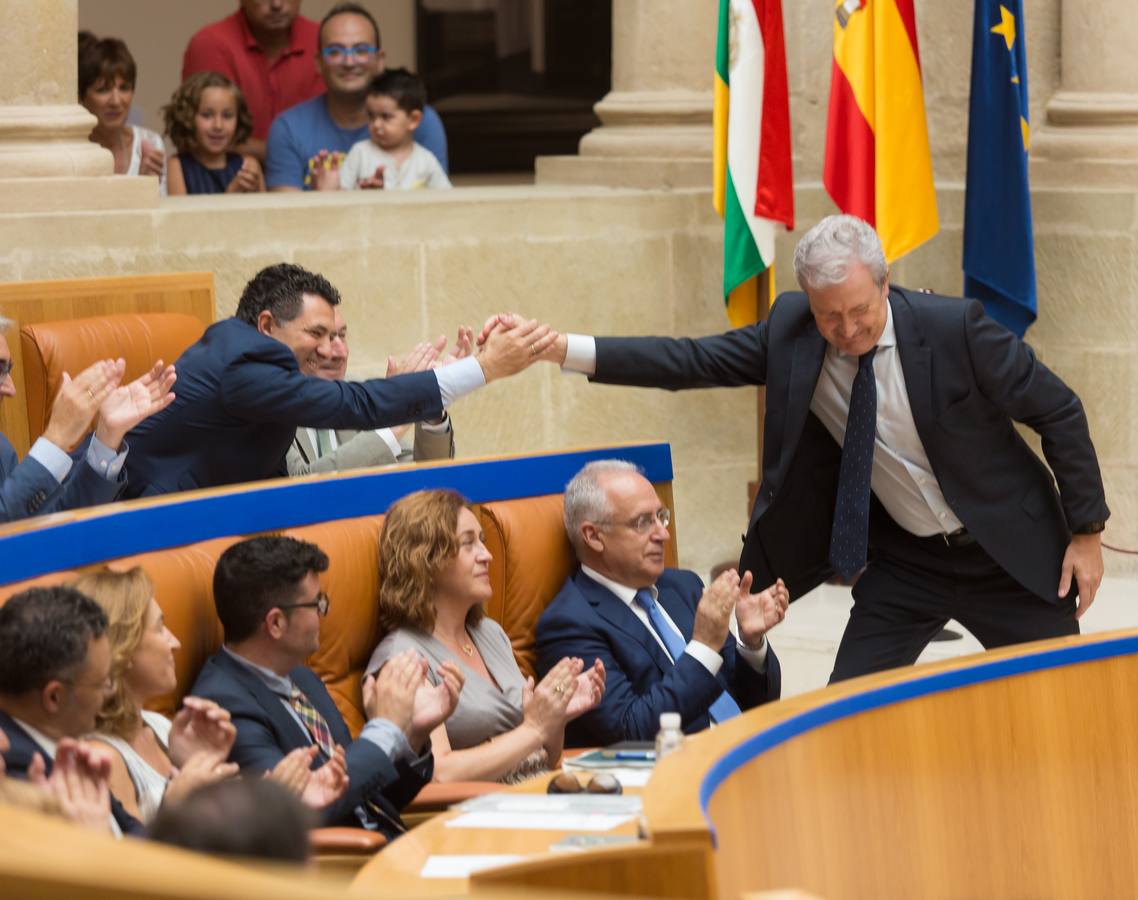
(645, 523)
(320, 604)
(5, 368)
(601, 783)
(336, 53)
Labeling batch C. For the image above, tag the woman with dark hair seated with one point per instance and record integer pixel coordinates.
(434, 581)
(106, 89)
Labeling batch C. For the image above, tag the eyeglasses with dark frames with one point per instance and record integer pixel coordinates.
(320, 604)
(337, 53)
(6, 367)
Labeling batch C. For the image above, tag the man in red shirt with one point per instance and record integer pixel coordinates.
(267, 50)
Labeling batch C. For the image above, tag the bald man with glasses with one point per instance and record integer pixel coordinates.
(668, 644)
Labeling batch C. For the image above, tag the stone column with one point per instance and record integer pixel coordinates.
(46, 160)
(1091, 134)
(656, 120)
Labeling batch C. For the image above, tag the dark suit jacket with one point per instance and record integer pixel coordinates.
(28, 489)
(587, 620)
(266, 732)
(968, 380)
(22, 747)
(241, 397)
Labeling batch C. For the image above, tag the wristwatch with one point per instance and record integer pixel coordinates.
(1090, 528)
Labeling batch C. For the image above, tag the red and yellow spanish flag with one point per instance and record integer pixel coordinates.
(878, 165)
(753, 183)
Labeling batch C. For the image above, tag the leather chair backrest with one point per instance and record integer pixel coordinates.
(51, 348)
(532, 558)
(350, 632)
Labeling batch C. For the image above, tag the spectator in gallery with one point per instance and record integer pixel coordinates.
(207, 120)
(307, 143)
(107, 75)
(389, 159)
(268, 50)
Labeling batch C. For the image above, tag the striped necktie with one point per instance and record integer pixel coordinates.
(316, 724)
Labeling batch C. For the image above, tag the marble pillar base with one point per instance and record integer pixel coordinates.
(1090, 139)
(46, 141)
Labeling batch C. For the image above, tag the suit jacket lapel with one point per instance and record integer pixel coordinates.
(916, 363)
(291, 732)
(304, 445)
(805, 367)
(616, 612)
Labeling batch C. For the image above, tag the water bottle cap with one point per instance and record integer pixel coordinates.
(670, 720)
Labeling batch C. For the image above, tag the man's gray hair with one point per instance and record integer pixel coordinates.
(5, 324)
(827, 251)
(585, 499)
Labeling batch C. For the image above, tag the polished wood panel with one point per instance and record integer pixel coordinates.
(1020, 786)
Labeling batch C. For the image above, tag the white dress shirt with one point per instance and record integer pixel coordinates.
(705, 655)
(459, 379)
(903, 478)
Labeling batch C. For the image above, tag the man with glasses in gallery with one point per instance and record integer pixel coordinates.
(308, 142)
(269, 600)
(668, 644)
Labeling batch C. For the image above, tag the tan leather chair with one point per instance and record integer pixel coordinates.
(51, 348)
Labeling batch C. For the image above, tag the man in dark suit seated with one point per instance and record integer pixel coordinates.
(268, 597)
(48, 479)
(667, 643)
(248, 384)
(55, 668)
(889, 446)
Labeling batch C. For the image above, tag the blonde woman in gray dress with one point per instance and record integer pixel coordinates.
(434, 582)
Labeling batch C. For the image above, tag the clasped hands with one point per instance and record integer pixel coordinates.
(756, 614)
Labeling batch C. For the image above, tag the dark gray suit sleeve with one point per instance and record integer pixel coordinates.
(731, 359)
(1011, 378)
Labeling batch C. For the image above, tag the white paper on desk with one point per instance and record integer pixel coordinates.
(540, 821)
(461, 865)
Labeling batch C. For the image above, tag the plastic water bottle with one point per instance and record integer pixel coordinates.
(670, 737)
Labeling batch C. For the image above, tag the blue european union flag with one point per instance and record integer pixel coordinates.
(999, 250)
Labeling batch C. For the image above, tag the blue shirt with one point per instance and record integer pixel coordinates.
(299, 133)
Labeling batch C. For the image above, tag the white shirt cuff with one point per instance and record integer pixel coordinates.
(51, 458)
(756, 659)
(459, 379)
(104, 460)
(389, 438)
(580, 354)
(706, 657)
(442, 427)
(389, 738)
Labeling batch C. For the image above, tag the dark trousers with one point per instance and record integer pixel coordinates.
(912, 586)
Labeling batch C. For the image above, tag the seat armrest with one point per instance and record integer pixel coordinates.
(345, 840)
(437, 796)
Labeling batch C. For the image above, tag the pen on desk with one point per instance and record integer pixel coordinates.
(635, 754)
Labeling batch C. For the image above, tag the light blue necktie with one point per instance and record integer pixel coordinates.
(724, 706)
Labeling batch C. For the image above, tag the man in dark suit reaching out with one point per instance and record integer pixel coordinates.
(667, 643)
(889, 444)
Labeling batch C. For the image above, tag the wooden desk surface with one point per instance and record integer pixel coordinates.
(395, 870)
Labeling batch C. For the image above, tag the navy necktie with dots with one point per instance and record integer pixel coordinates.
(849, 536)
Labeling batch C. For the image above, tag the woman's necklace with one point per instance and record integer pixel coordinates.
(468, 648)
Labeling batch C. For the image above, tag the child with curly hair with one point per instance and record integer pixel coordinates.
(205, 119)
